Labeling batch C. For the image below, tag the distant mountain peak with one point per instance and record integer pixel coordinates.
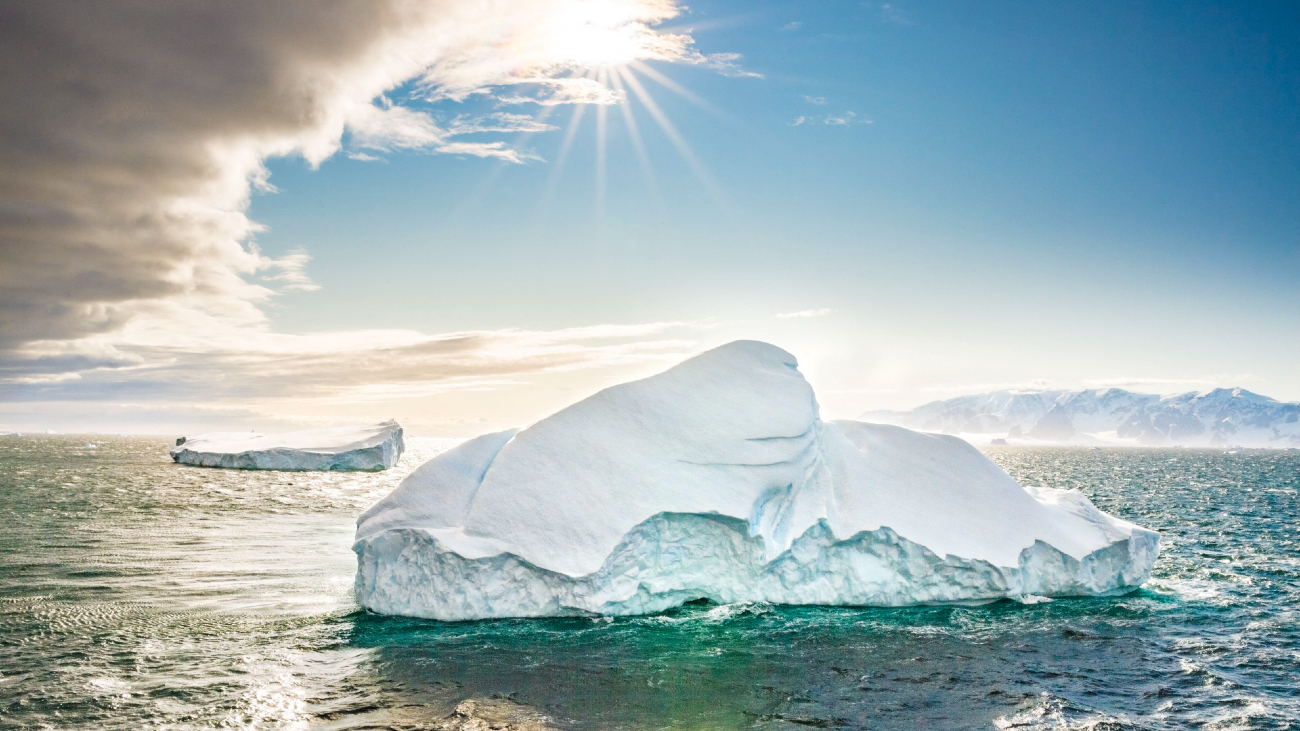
(1215, 417)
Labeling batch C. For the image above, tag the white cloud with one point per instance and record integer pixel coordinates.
(804, 313)
(1165, 384)
(725, 64)
(847, 119)
(817, 100)
(1038, 384)
(520, 42)
(487, 149)
(792, 26)
(570, 90)
(211, 361)
(844, 119)
(291, 269)
(497, 122)
(42, 379)
(385, 128)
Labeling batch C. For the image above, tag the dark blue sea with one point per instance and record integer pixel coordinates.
(139, 594)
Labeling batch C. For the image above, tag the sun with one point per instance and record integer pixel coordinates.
(587, 34)
(593, 53)
(599, 35)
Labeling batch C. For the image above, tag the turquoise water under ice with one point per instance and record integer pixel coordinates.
(139, 594)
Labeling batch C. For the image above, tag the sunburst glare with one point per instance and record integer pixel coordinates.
(604, 44)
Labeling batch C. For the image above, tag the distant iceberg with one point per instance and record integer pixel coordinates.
(718, 480)
(355, 447)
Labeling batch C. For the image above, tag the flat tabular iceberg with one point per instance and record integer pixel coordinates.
(718, 480)
(355, 447)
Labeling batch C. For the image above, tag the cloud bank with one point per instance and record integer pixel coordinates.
(225, 362)
(822, 312)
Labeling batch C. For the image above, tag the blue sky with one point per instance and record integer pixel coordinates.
(1061, 192)
(980, 194)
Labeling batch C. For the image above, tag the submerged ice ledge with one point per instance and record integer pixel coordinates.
(718, 480)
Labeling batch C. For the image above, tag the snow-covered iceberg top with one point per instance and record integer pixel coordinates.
(717, 479)
(352, 447)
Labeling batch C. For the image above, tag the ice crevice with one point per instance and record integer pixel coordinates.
(680, 487)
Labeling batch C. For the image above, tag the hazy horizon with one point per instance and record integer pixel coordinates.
(474, 427)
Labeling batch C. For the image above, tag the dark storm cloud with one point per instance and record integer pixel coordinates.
(130, 131)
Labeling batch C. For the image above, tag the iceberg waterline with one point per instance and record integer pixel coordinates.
(364, 447)
(718, 480)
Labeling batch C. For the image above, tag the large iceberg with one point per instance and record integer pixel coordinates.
(354, 447)
(718, 480)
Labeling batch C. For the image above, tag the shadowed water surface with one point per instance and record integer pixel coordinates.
(135, 593)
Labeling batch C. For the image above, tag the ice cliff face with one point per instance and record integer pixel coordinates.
(358, 447)
(1221, 417)
(717, 479)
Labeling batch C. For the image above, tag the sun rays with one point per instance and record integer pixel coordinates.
(630, 95)
(624, 88)
(583, 53)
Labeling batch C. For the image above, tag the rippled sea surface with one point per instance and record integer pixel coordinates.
(139, 594)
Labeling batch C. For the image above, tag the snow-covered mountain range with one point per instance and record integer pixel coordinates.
(1222, 417)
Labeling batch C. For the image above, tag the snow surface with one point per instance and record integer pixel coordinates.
(717, 479)
(352, 447)
(1216, 418)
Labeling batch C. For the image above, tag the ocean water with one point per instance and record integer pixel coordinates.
(139, 594)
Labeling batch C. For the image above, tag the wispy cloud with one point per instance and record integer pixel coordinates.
(214, 362)
(1037, 384)
(1158, 385)
(385, 127)
(497, 122)
(291, 271)
(389, 128)
(487, 149)
(847, 119)
(726, 64)
(1221, 379)
(792, 26)
(568, 90)
(804, 313)
(844, 119)
(817, 100)
(861, 391)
